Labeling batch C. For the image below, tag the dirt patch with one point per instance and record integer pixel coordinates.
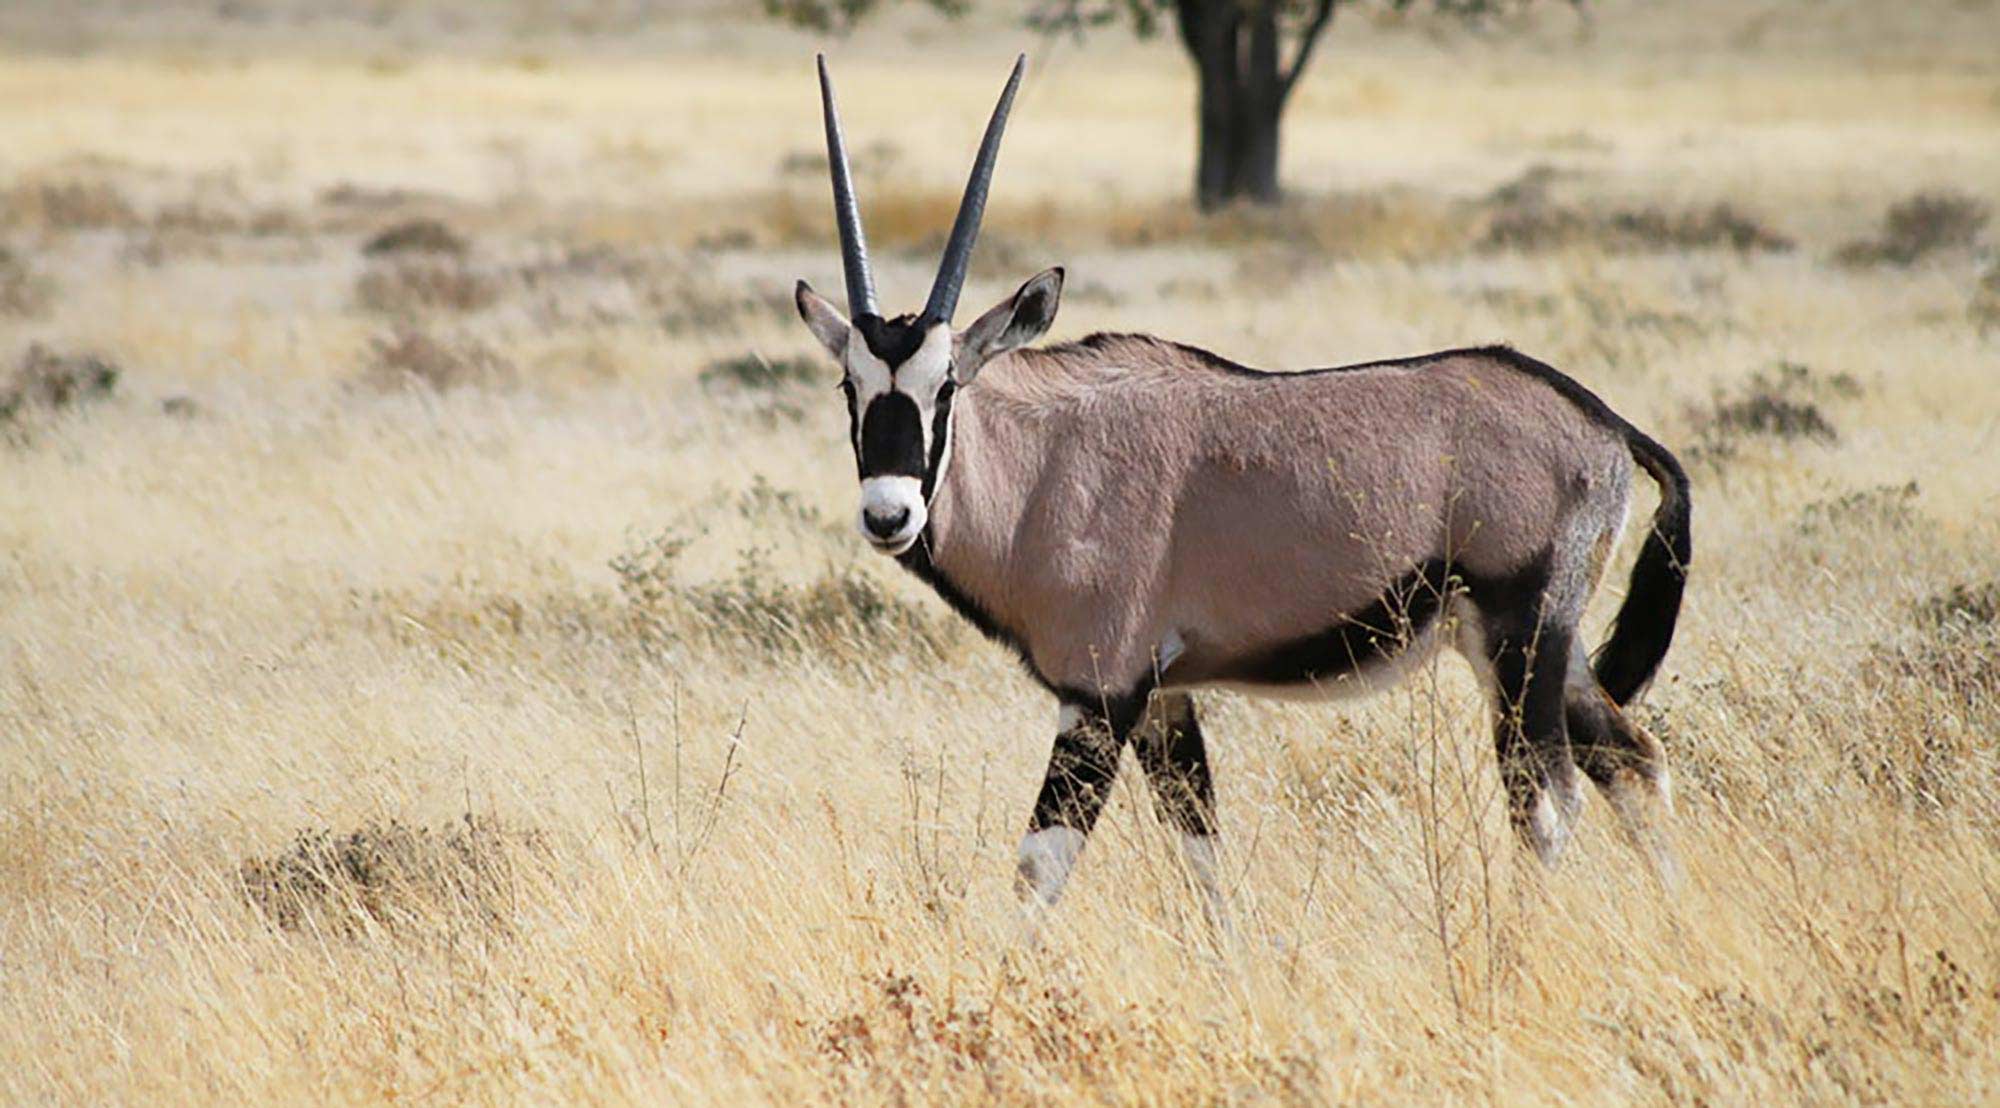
(896, 1038)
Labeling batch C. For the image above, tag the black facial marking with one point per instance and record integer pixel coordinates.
(940, 428)
(892, 340)
(853, 417)
(892, 437)
(890, 434)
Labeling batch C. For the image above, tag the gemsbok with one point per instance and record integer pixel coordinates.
(1137, 518)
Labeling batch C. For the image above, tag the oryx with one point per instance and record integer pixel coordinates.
(1138, 518)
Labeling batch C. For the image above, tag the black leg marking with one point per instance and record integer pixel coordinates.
(1081, 769)
(1609, 748)
(1629, 769)
(1084, 763)
(1175, 758)
(1530, 666)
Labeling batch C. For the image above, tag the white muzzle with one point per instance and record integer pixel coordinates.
(892, 513)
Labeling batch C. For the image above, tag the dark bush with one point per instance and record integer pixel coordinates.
(68, 205)
(1961, 607)
(1891, 506)
(756, 373)
(406, 287)
(841, 610)
(1985, 306)
(50, 382)
(1954, 644)
(1524, 218)
(1720, 225)
(1918, 227)
(391, 875)
(771, 390)
(1784, 403)
(415, 236)
(411, 357)
(1769, 414)
(23, 292)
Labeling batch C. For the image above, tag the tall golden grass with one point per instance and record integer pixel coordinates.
(410, 694)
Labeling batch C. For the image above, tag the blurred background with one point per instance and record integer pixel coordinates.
(436, 659)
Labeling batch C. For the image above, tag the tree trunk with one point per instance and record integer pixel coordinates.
(1263, 101)
(1244, 83)
(1212, 40)
(1242, 98)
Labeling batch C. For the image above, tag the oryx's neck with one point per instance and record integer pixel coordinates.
(976, 517)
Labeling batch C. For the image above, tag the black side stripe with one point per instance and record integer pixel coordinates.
(1358, 640)
(940, 428)
(853, 423)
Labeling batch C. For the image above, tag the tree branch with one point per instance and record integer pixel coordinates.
(1321, 16)
(1187, 19)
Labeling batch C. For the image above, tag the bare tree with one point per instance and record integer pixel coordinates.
(1248, 56)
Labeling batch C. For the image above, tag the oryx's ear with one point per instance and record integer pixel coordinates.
(1016, 321)
(824, 320)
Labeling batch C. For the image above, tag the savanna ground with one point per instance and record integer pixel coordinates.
(436, 663)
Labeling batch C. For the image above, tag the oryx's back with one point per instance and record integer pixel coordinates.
(1241, 508)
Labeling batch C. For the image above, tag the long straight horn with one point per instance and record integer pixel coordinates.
(965, 229)
(846, 213)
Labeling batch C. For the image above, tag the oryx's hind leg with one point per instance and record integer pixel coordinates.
(1082, 767)
(1169, 743)
(1627, 766)
(1529, 659)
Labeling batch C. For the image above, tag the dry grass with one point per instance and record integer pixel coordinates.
(413, 357)
(542, 734)
(23, 292)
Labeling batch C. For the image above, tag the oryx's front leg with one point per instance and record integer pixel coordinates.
(1081, 769)
(1171, 750)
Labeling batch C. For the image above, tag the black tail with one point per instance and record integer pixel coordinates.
(1644, 627)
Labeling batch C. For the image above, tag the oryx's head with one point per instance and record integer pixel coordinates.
(900, 373)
